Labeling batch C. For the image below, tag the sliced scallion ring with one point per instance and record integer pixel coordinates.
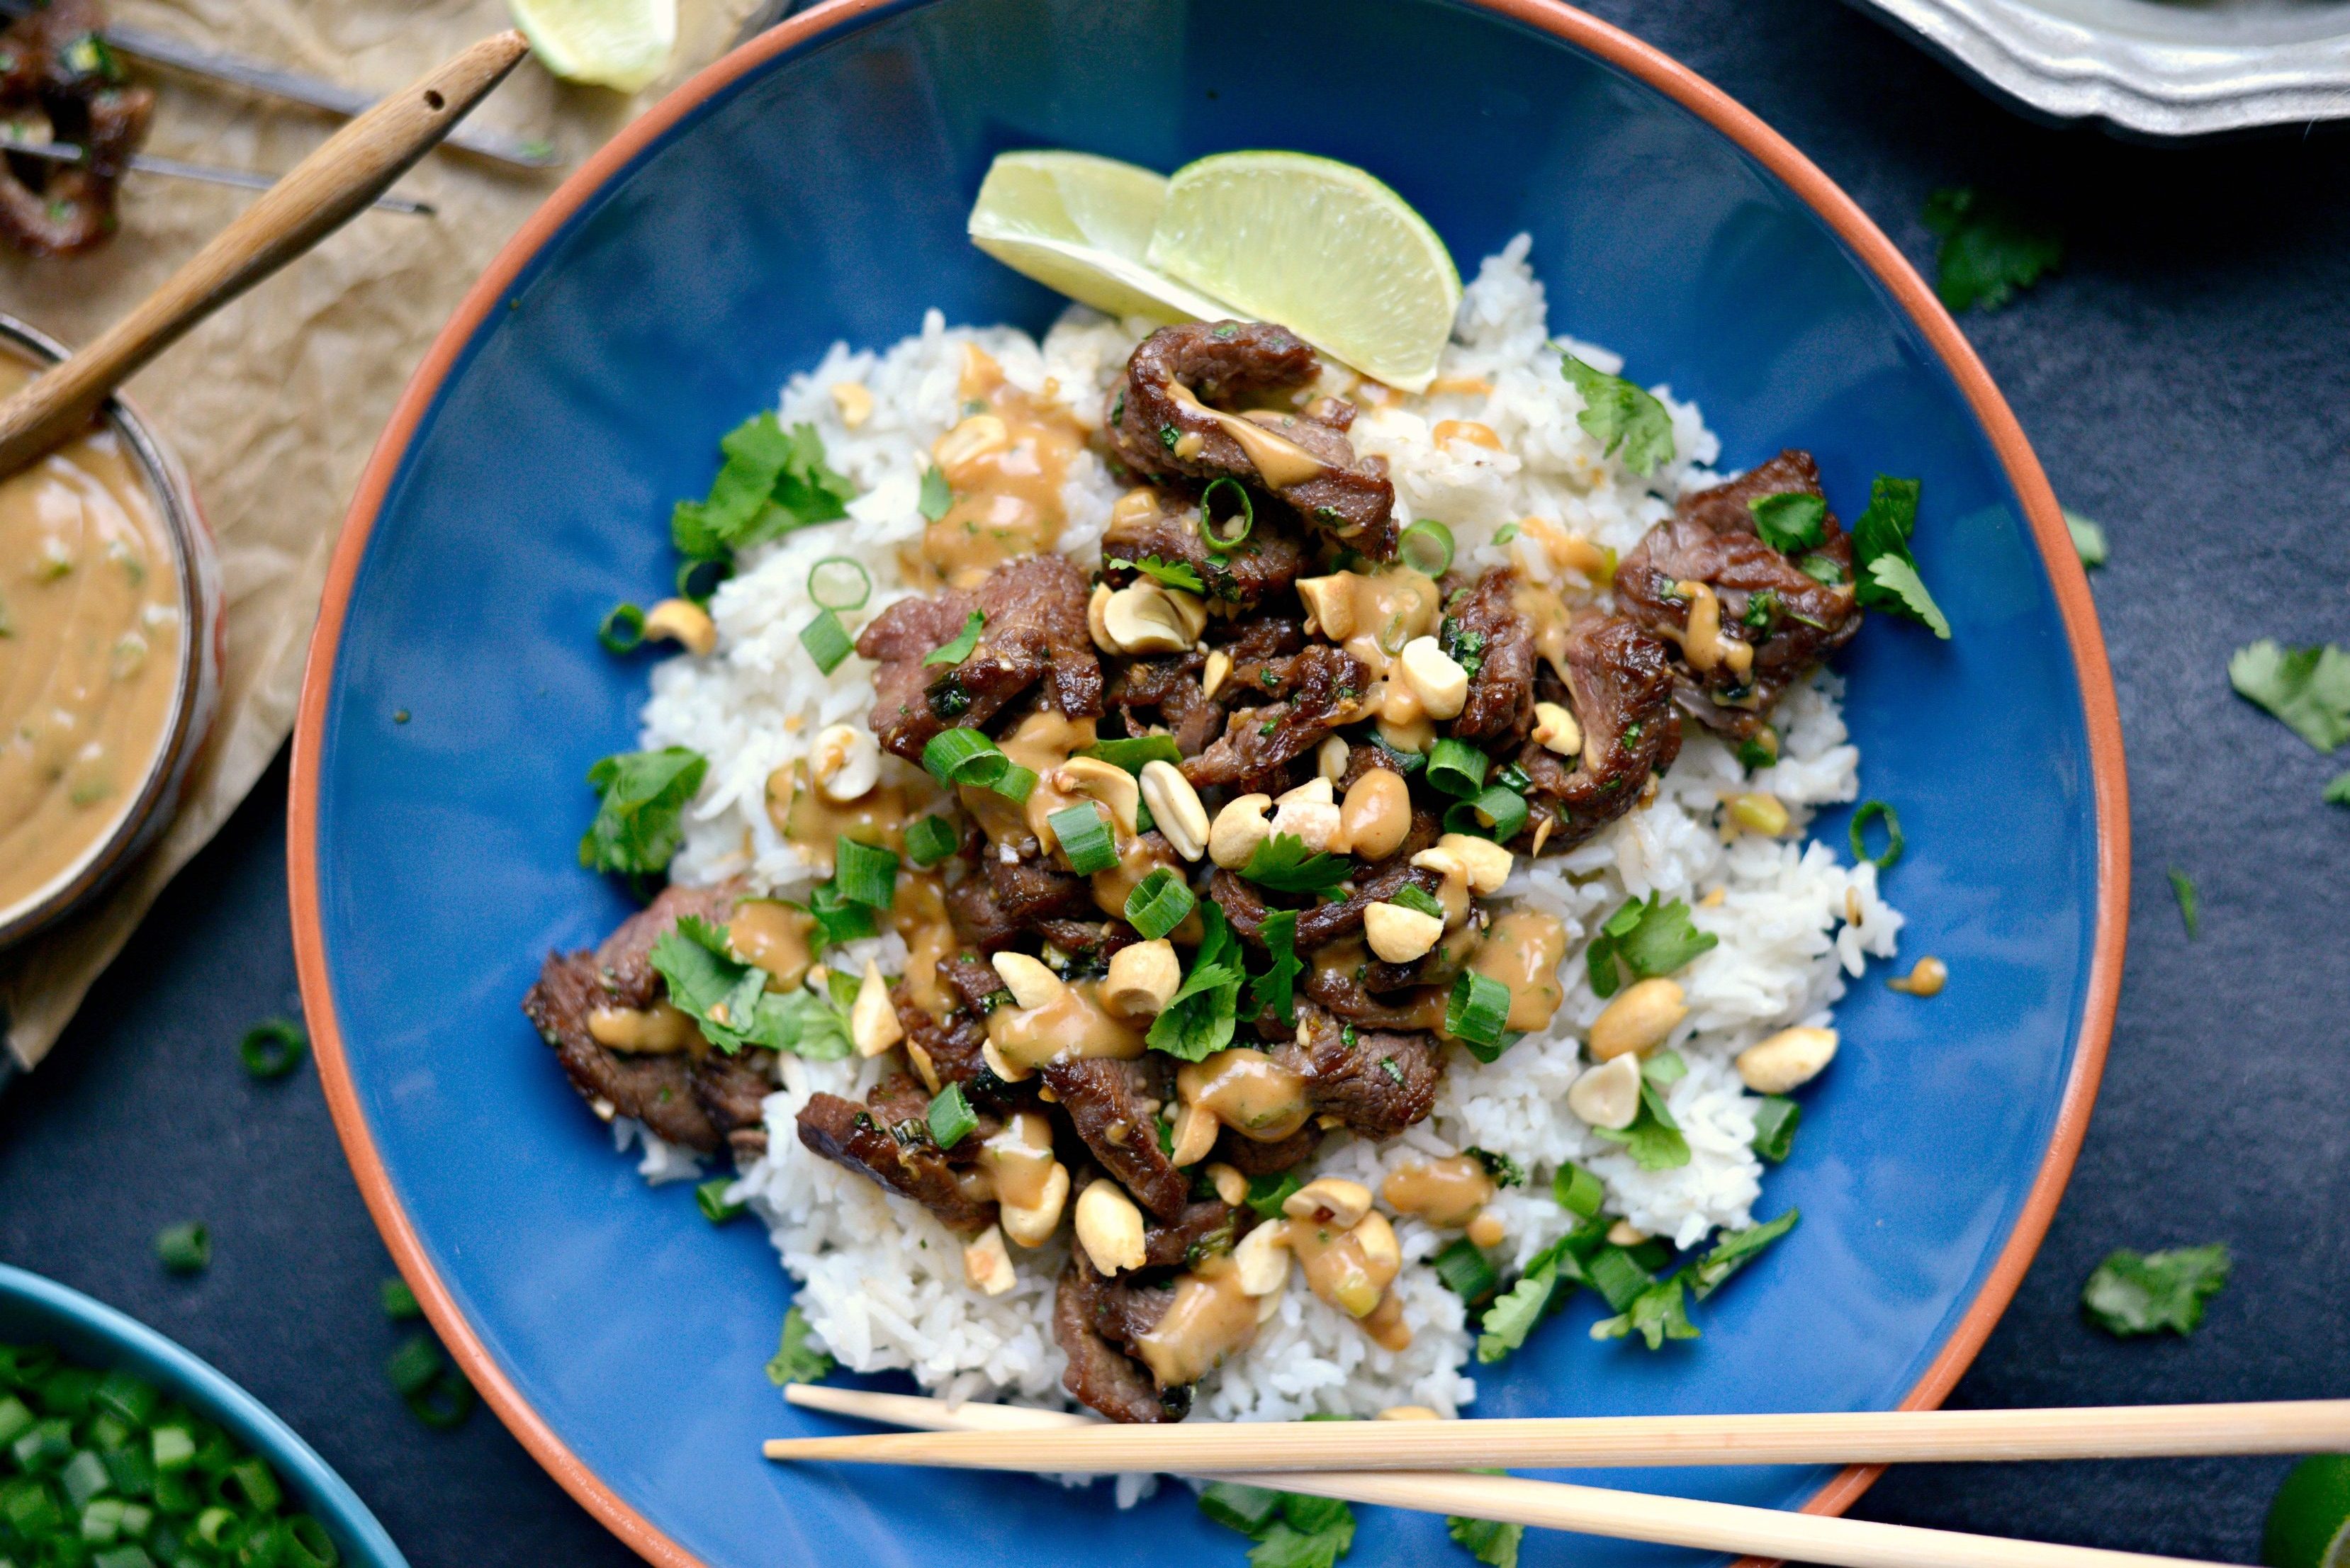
(838, 583)
(963, 757)
(1426, 547)
(1496, 812)
(1084, 838)
(930, 840)
(1456, 767)
(622, 629)
(1244, 509)
(1869, 811)
(1478, 1010)
(1016, 783)
(865, 874)
(826, 641)
(272, 1049)
(1159, 903)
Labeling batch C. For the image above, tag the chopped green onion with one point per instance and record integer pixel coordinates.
(1618, 1275)
(1577, 1190)
(1477, 1010)
(1132, 752)
(1266, 1194)
(838, 583)
(272, 1048)
(1776, 1120)
(622, 629)
(1497, 812)
(1869, 811)
(400, 1304)
(1084, 838)
(826, 641)
(1410, 896)
(956, 651)
(170, 1449)
(951, 1117)
(698, 579)
(1017, 782)
(963, 757)
(1426, 547)
(1465, 1270)
(930, 841)
(839, 919)
(185, 1248)
(1244, 509)
(249, 1483)
(1159, 903)
(710, 1197)
(1456, 767)
(1236, 1506)
(865, 874)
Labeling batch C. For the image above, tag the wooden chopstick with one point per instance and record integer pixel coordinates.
(1887, 1436)
(1548, 1505)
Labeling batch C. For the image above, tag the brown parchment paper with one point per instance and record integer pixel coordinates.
(274, 403)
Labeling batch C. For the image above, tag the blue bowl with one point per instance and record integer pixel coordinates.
(813, 186)
(33, 1310)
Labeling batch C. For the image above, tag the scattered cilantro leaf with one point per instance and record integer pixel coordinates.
(1174, 573)
(1656, 1314)
(636, 830)
(958, 650)
(2338, 792)
(1500, 1168)
(2308, 687)
(2132, 1293)
(797, 1360)
(1654, 1140)
(730, 999)
(1734, 1251)
(1790, 521)
(1199, 1019)
(1991, 247)
(1649, 938)
(1283, 1546)
(1488, 1541)
(1899, 578)
(773, 481)
(1236, 1505)
(1882, 534)
(937, 494)
(1515, 1311)
(1282, 864)
(2190, 905)
(2088, 538)
(1275, 990)
(1618, 414)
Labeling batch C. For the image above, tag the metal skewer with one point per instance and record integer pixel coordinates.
(148, 163)
(258, 76)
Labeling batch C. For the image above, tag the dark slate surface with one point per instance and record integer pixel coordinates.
(2184, 380)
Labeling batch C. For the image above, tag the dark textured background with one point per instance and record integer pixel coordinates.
(2184, 380)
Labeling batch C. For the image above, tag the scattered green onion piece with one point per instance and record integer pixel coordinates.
(959, 648)
(1266, 1194)
(303, 1543)
(1464, 1268)
(399, 1304)
(839, 919)
(622, 629)
(1017, 782)
(1159, 903)
(185, 1248)
(218, 1527)
(1477, 1010)
(1408, 896)
(170, 1449)
(1244, 509)
(930, 841)
(697, 580)
(865, 874)
(1132, 752)
(710, 1197)
(1083, 838)
(272, 1048)
(128, 1396)
(1505, 532)
(826, 640)
(963, 757)
(1237, 1506)
(1455, 767)
(1870, 810)
(838, 583)
(83, 1478)
(1426, 547)
(1618, 1275)
(250, 1482)
(434, 1392)
(1496, 812)
(951, 1117)
(1578, 1191)
(1775, 1121)
(415, 1363)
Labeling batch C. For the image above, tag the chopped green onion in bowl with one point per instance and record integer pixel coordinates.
(1426, 547)
(838, 583)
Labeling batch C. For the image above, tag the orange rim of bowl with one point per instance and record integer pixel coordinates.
(1607, 43)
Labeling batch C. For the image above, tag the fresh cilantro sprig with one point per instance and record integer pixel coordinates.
(638, 823)
(1790, 521)
(1649, 938)
(1174, 573)
(937, 495)
(1275, 990)
(1661, 1312)
(2088, 539)
(773, 481)
(1617, 414)
(958, 650)
(1290, 1529)
(1199, 1019)
(1884, 572)
(1656, 1314)
(2308, 687)
(2132, 1293)
(1283, 864)
(730, 999)
(1991, 247)
(1489, 1541)
(1654, 1140)
(795, 1360)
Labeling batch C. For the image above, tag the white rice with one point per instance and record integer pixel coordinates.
(881, 1280)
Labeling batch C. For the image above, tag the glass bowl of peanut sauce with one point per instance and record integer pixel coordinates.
(109, 652)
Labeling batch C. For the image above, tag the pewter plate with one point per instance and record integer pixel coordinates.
(2148, 67)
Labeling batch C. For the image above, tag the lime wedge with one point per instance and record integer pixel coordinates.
(2309, 1523)
(1320, 247)
(1080, 225)
(621, 44)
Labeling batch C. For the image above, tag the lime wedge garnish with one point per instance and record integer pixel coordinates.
(1321, 248)
(2309, 1523)
(621, 44)
(1080, 225)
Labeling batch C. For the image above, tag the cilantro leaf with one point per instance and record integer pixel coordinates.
(1651, 940)
(2338, 792)
(1500, 1168)
(1199, 1019)
(1515, 1311)
(1174, 573)
(958, 650)
(1881, 534)
(797, 1360)
(1236, 1505)
(1282, 864)
(772, 481)
(1283, 1546)
(1900, 579)
(730, 999)
(637, 827)
(2088, 538)
(2308, 687)
(1991, 247)
(2190, 907)
(1654, 1140)
(1616, 413)
(1656, 1314)
(1275, 990)
(1790, 521)
(1734, 1251)
(937, 494)
(1488, 1541)
(2132, 1293)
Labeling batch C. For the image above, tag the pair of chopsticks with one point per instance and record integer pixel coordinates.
(1414, 1464)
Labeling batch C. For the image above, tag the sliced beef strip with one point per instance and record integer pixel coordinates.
(1379, 1083)
(1101, 1375)
(1268, 562)
(1318, 927)
(1101, 1097)
(1091, 941)
(975, 980)
(1326, 686)
(859, 1138)
(1349, 499)
(730, 1091)
(657, 1090)
(1351, 998)
(1486, 625)
(977, 919)
(1034, 634)
(1620, 684)
(1166, 693)
(1206, 1227)
(1031, 890)
(1712, 539)
(1250, 1157)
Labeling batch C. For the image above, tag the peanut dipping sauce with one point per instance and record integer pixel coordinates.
(1005, 459)
(92, 648)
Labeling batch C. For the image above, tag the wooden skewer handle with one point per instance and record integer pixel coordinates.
(319, 196)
